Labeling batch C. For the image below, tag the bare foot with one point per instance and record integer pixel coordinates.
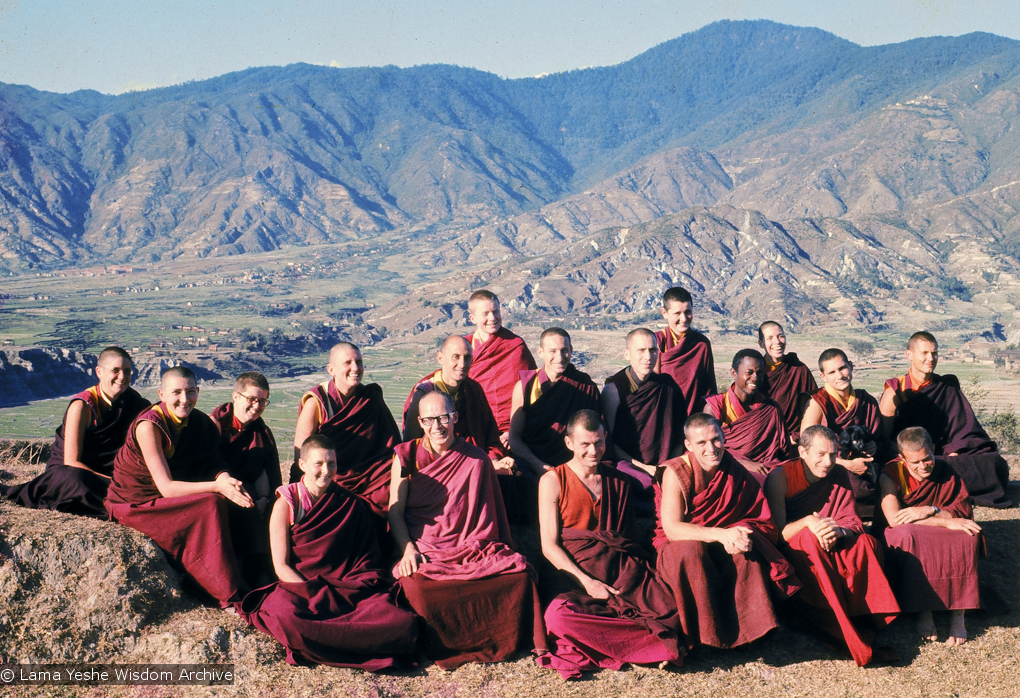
(926, 626)
(957, 629)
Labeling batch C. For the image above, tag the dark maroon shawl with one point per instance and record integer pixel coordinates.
(475, 423)
(943, 489)
(691, 365)
(496, 365)
(785, 384)
(649, 421)
(343, 615)
(249, 450)
(102, 438)
(546, 420)
(364, 434)
(757, 434)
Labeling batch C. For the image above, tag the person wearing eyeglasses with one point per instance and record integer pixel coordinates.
(458, 567)
(248, 447)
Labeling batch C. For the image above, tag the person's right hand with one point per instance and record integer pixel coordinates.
(825, 529)
(736, 540)
(233, 489)
(408, 564)
(598, 590)
(966, 525)
(858, 466)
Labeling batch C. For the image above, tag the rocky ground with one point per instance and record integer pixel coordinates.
(79, 590)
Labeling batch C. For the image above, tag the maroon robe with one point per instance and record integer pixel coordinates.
(864, 413)
(649, 421)
(942, 409)
(344, 614)
(723, 600)
(932, 568)
(546, 419)
(639, 625)
(845, 582)
(76, 490)
(691, 365)
(785, 384)
(476, 595)
(757, 434)
(364, 434)
(496, 365)
(194, 530)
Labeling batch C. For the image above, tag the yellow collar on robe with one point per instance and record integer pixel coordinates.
(437, 379)
(677, 338)
(834, 394)
(731, 414)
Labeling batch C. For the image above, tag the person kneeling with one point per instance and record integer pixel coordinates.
(333, 604)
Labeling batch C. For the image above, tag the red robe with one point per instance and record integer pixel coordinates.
(649, 421)
(785, 384)
(847, 581)
(724, 600)
(476, 595)
(343, 615)
(941, 407)
(496, 365)
(75, 490)
(757, 434)
(932, 568)
(364, 434)
(546, 418)
(691, 365)
(638, 625)
(194, 530)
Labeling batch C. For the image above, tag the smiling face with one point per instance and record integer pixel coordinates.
(707, 443)
(438, 419)
(485, 315)
(748, 375)
(318, 467)
(773, 341)
(679, 316)
(114, 374)
(346, 367)
(180, 395)
(642, 353)
(587, 446)
(920, 464)
(555, 352)
(249, 403)
(838, 373)
(923, 357)
(819, 457)
(455, 359)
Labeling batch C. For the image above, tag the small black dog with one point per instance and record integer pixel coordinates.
(857, 442)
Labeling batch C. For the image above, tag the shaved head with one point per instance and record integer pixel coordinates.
(483, 294)
(455, 342)
(110, 352)
(177, 372)
(340, 349)
(316, 442)
(639, 332)
(435, 403)
(554, 332)
(918, 337)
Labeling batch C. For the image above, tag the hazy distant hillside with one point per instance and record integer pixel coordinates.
(303, 154)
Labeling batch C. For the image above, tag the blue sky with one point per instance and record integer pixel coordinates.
(118, 45)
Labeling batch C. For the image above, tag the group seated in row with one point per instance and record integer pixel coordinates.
(756, 498)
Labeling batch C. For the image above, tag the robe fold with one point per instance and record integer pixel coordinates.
(476, 594)
(943, 410)
(344, 614)
(757, 433)
(76, 490)
(546, 417)
(193, 530)
(843, 583)
(723, 600)
(691, 365)
(932, 568)
(496, 365)
(364, 434)
(639, 624)
(785, 383)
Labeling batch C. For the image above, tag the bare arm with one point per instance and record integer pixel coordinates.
(812, 415)
(517, 419)
(279, 542)
(887, 407)
(308, 421)
(552, 548)
(897, 515)
(734, 540)
(149, 441)
(399, 488)
(76, 421)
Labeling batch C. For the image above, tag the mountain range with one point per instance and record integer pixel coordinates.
(754, 162)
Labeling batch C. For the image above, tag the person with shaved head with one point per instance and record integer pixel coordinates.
(644, 412)
(171, 483)
(932, 541)
(845, 593)
(543, 403)
(787, 378)
(499, 357)
(684, 353)
(923, 398)
(750, 419)
(613, 608)
(94, 428)
(716, 543)
(458, 567)
(355, 418)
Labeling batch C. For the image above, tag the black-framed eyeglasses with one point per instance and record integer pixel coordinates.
(443, 419)
(260, 401)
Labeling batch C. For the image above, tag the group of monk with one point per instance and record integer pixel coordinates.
(773, 497)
